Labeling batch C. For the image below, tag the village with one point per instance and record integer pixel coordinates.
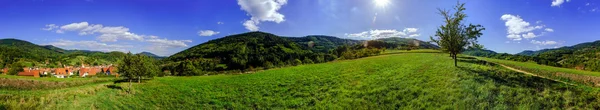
(67, 71)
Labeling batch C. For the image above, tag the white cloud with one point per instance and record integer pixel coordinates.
(558, 2)
(112, 34)
(547, 42)
(514, 37)
(410, 30)
(587, 4)
(220, 22)
(207, 33)
(50, 27)
(529, 35)
(90, 45)
(262, 10)
(517, 26)
(169, 43)
(107, 34)
(549, 29)
(375, 34)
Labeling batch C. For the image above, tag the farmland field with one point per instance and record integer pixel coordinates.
(398, 79)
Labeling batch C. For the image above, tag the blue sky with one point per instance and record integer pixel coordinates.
(165, 27)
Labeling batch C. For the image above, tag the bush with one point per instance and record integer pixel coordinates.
(308, 61)
(296, 62)
(15, 68)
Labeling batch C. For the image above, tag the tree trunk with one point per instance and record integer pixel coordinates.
(129, 86)
(455, 60)
(139, 79)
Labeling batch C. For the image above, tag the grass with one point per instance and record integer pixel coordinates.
(402, 80)
(11, 82)
(564, 74)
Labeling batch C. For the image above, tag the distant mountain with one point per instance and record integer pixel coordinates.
(584, 56)
(403, 42)
(247, 50)
(151, 55)
(25, 47)
(480, 52)
(322, 43)
(14, 50)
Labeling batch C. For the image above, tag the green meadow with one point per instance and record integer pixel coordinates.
(422, 79)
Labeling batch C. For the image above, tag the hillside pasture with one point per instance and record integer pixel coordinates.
(405, 80)
(564, 74)
(398, 80)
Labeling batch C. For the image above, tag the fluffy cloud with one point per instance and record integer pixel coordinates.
(207, 33)
(220, 22)
(517, 26)
(112, 34)
(529, 35)
(515, 37)
(260, 11)
(558, 2)
(106, 33)
(547, 42)
(374, 34)
(90, 45)
(549, 29)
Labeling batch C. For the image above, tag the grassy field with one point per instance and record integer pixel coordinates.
(397, 79)
(564, 74)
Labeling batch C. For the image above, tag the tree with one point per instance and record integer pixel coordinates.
(453, 37)
(137, 66)
(15, 68)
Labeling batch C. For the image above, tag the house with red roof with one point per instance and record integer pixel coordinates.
(110, 70)
(89, 71)
(29, 72)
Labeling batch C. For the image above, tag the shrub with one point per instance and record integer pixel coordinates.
(296, 62)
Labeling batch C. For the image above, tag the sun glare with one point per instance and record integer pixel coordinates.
(381, 3)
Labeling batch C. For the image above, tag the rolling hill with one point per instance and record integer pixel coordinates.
(243, 51)
(14, 50)
(322, 43)
(395, 42)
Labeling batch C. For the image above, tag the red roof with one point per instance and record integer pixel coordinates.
(89, 71)
(34, 73)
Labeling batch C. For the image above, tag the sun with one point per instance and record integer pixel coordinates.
(381, 3)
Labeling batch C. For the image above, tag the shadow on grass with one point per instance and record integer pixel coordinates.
(132, 81)
(508, 77)
(114, 87)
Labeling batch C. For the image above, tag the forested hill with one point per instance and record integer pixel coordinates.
(395, 42)
(33, 55)
(319, 43)
(584, 56)
(247, 50)
(151, 55)
(12, 50)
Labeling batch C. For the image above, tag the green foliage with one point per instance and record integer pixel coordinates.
(454, 37)
(13, 50)
(243, 51)
(322, 44)
(15, 68)
(137, 67)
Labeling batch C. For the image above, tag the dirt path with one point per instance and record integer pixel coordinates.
(525, 72)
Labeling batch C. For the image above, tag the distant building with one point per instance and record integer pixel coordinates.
(29, 72)
(5, 71)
